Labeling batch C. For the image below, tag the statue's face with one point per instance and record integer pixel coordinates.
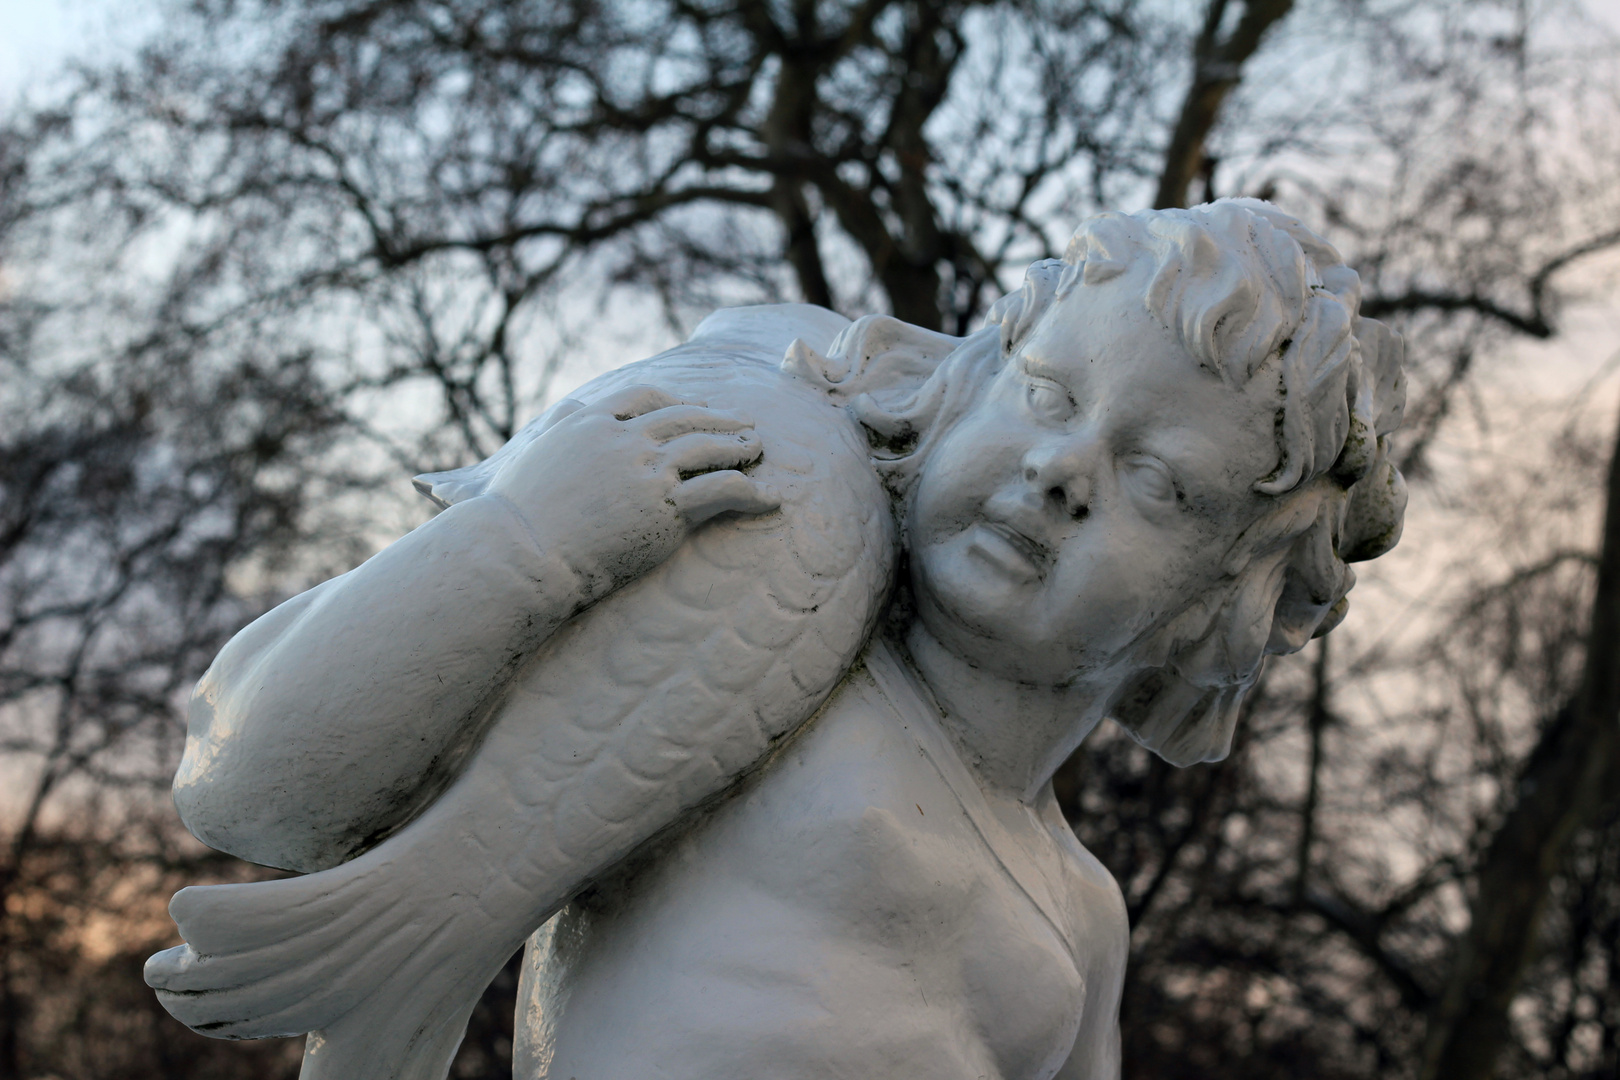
(1089, 495)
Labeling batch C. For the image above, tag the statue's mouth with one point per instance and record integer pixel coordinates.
(1023, 547)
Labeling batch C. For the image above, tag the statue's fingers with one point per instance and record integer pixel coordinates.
(561, 411)
(701, 452)
(702, 497)
(677, 420)
(638, 400)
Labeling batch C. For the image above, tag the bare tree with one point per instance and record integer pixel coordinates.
(133, 499)
(294, 251)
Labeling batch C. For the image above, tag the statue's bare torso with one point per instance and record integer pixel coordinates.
(889, 917)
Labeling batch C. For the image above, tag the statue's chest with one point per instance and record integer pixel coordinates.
(921, 912)
(842, 916)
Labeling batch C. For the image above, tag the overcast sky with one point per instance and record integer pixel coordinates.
(33, 35)
(37, 36)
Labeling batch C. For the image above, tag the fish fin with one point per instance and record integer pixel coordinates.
(381, 1040)
(383, 975)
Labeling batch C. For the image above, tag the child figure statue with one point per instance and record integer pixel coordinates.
(739, 682)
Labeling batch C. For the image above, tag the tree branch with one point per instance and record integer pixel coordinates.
(1313, 778)
(1533, 323)
(1217, 69)
(1366, 930)
(1536, 322)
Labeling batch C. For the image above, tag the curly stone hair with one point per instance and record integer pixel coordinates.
(1243, 287)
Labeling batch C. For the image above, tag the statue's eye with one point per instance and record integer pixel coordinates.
(1048, 400)
(1149, 478)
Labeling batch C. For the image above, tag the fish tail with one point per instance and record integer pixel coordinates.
(381, 976)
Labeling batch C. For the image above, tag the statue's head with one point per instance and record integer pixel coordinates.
(1153, 468)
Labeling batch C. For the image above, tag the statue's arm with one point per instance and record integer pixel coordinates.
(330, 720)
(427, 628)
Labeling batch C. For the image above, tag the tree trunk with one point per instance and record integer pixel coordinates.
(1561, 789)
(1217, 68)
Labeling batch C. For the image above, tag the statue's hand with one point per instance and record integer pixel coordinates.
(615, 486)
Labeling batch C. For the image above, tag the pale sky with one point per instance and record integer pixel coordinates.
(34, 34)
(38, 36)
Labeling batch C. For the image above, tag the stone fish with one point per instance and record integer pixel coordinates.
(649, 704)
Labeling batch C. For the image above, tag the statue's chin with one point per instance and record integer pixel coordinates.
(1197, 740)
(1188, 735)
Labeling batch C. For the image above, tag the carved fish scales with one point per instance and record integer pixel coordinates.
(650, 702)
(682, 680)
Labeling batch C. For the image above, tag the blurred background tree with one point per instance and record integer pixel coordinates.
(288, 252)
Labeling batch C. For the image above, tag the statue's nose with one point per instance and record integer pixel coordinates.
(1063, 471)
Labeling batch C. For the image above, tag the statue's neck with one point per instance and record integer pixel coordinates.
(1013, 734)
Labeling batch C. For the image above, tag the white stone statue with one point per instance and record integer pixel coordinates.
(736, 683)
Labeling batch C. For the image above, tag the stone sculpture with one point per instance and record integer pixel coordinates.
(738, 680)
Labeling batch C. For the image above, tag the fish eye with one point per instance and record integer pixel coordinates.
(1047, 400)
(1150, 478)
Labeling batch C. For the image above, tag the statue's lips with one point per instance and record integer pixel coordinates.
(1014, 553)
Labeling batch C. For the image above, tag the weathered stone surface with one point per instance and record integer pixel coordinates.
(654, 688)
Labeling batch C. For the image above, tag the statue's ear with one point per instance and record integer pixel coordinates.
(877, 355)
